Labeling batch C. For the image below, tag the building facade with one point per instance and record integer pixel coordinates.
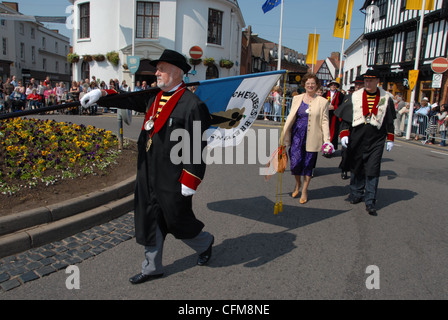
(113, 26)
(29, 50)
(391, 33)
(355, 62)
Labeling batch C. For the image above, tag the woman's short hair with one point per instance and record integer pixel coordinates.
(308, 76)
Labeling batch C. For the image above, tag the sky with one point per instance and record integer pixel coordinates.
(300, 18)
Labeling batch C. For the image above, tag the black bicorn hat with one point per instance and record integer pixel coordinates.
(174, 58)
(371, 74)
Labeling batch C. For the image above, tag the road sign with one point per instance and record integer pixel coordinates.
(439, 65)
(413, 76)
(437, 81)
(196, 52)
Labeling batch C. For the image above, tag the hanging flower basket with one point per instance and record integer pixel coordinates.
(87, 57)
(99, 57)
(209, 61)
(195, 62)
(225, 63)
(113, 57)
(72, 58)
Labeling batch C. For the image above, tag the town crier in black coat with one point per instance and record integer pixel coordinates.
(367, 124)
(170, 167)
(335, 97)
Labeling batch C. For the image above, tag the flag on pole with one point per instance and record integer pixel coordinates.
(313, 46)
(417, 5)
(270, 4)
(234, 104)
(343, 19)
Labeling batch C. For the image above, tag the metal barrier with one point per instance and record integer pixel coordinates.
(427, 129)
(275, 115)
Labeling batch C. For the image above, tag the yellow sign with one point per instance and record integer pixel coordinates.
(298, 78)
(418, 4)
(413, 76)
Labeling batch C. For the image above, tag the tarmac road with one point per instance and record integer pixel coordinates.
(324, 249)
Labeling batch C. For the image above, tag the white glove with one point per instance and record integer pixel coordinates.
(186, 191)
(91, 97)
(389, 145)
(344, 141)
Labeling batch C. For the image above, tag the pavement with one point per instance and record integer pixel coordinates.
(39, 242)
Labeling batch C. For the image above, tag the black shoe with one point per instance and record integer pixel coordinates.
(205, 256)
(371, 209)
(344, 175)
(140, 278)
(355, 200)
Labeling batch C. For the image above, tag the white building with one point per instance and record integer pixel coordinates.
(355, 61)
(102, 26)
(29, 50)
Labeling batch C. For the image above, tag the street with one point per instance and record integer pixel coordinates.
(324, 249)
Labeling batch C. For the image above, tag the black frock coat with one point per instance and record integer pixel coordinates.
(366, 142)
(158, 199)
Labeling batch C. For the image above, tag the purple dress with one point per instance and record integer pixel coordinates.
(302, 162)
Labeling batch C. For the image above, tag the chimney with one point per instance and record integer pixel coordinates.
(335, 55)
(11, 5)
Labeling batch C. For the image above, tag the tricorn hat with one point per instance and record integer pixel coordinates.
(359, 79)
(371, 74)
(334, 82)
(174, 58)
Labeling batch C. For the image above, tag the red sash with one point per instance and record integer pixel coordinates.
(166, 110)
(365, 104)
(335, 100)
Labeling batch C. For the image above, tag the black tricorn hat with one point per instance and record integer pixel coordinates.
(371, 74)
(174, 58)
(359, 79)
(334, 82)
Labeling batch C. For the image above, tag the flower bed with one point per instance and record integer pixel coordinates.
(34, 152)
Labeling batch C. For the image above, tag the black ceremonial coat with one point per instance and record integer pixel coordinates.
(158, 198)
(366, 142)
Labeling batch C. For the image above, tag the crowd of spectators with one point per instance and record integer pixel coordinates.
(17, 96)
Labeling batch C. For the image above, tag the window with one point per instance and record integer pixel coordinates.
(21, 28)
(44, 64)
(22, 51)
(33, 54)
(380, 51)
(351, 75)
(382, 6)
(4, 46)
(147, 20)
(56, 47)
(409, 48)
(84, 20)
(56, 66)
(358, 71)
(389, 50)
(33, 33)
(44, 43)
(214, 26)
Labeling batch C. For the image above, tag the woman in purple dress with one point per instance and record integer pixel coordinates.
(306, 130)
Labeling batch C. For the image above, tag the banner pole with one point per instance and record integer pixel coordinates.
(416, 63)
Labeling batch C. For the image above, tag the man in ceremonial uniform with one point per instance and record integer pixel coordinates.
(367, 122)
(165, 185)
(336, 98)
